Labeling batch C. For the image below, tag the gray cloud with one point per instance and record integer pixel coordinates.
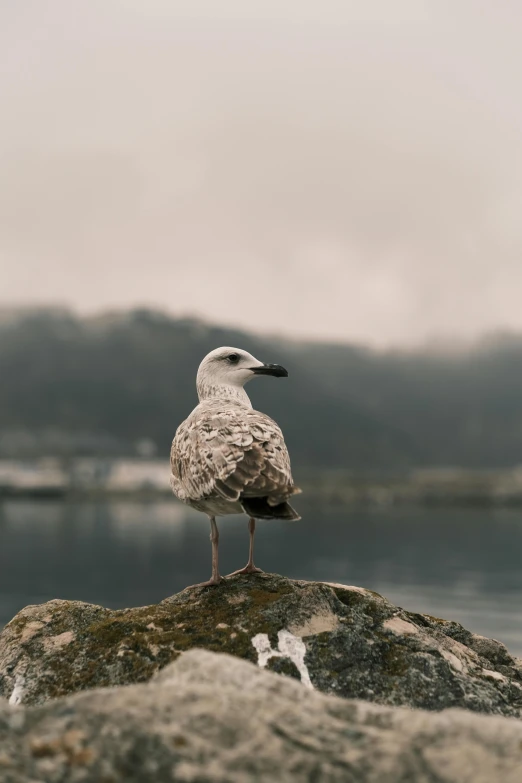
(322, 169)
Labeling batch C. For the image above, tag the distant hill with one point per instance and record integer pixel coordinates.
(99, 385)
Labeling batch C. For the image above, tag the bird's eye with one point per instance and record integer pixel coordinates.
(233, 358)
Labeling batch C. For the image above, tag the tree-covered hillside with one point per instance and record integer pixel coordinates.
(101, 384)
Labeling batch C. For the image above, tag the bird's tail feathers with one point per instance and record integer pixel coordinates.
(275, 500)
(260, 508)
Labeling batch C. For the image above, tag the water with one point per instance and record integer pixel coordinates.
(458, 564)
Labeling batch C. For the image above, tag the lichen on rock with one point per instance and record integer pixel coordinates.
(349, 641)
(209, 717)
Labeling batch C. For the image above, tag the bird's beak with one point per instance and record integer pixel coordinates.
(270, 369)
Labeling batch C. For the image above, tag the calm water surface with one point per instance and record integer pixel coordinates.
(458, 564)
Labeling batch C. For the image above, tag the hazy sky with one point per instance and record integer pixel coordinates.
(330, 169)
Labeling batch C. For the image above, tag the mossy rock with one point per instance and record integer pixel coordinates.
(209, 717)
(336, 639)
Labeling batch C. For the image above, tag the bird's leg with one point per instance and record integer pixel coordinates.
(215, 579)
(251, 529)
(250, 568)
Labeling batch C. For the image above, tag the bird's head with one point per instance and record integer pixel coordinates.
(224, 371)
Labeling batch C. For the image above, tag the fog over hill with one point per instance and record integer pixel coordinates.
(100, 384)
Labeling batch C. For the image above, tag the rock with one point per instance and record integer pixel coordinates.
(336, 639)
(214, 718)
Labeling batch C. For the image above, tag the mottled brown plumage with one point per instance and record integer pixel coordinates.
(227, 458)
(228, 452)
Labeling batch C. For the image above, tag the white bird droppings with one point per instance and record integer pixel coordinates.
(289, 646)
(18, 691)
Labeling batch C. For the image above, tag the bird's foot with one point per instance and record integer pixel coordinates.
(248, 569)
(212, 582)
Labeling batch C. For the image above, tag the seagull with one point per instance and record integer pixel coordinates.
(228, 458)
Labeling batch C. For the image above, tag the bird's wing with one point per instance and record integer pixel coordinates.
(230, 452)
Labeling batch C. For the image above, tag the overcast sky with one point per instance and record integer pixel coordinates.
(343, 169)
